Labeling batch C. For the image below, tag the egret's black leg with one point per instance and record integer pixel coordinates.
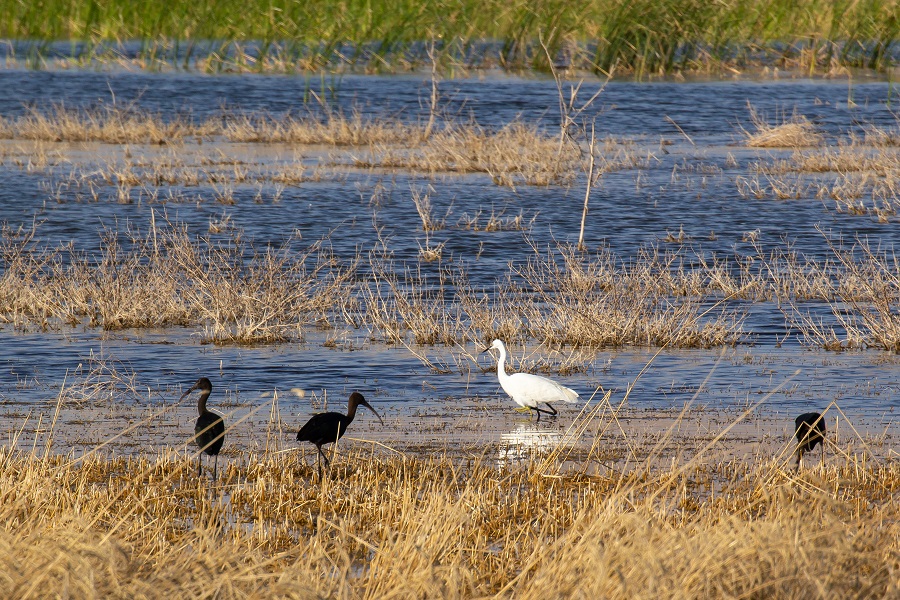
(553, 411)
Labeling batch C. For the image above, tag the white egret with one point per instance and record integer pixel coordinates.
(530, 390)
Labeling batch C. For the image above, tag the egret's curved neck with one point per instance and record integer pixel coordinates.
(501, 364)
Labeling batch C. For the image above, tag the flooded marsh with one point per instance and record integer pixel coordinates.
(737, 269)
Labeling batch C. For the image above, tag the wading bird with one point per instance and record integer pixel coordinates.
(327, 428)
(209, 432)
(810, 430)
(529, 390)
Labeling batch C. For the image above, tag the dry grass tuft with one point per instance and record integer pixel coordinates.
(496, 221)
(108, 124)
(517, 154)
(334, 129)
(102, 379)
(164, 277)
(792, 132)
(425, 210)
(862, 292)
(592, 302)
(398, 302)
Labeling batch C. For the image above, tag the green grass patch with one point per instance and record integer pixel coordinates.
(642, 37)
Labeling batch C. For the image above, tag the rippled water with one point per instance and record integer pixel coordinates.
(630, 210)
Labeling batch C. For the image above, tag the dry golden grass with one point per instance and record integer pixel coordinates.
(847, 159)
(384, 525)
(791, 132)
(496, 221)
(880, 136)
(334, 129)
(425, 210)
(559, 298)
(108, 124)
(164, 277)
(571, 298)
(565, 298)
(583, 301)
(401, 302)
(598, 511)
(517, 154)
(859, 174)
(124, 125)
(862, 297)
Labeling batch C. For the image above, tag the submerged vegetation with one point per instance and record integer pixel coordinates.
(559, 297)
(642, 37)
(672, 294)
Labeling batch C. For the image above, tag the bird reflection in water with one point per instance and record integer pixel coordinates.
(526, 441)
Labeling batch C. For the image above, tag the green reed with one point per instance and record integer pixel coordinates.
(643, 37)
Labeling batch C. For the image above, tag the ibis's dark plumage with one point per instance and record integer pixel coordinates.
(327, 428)
(810, 430)
(209, 432)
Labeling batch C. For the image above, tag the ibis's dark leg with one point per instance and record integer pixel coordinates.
(327, 462)
(215, 468)
(199, 464)
(321, 456)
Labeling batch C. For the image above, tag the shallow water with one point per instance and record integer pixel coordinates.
(630, 210)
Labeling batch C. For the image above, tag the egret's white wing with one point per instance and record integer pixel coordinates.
(529, 390)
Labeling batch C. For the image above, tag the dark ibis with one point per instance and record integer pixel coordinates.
(327, 428)
(810, 430)
(209, 432)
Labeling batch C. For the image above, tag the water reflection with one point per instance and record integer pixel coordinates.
(526, 441)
